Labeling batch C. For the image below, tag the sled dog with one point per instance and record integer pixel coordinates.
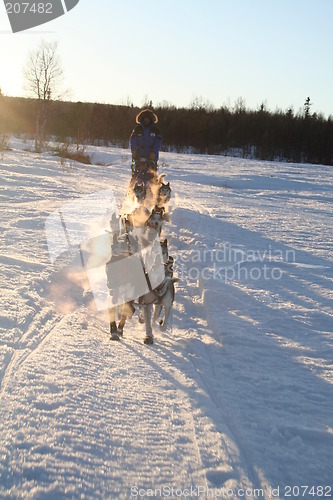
(162, 296)
(139, 191)
(164, 194)
(157, 217)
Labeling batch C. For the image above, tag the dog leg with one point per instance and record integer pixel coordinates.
(125, 311)
(121, 324)
(149, 331)
(141, 315)
(112, 314)
(168, 302)
(113, 325)
(157, 312)
(167, 310)
(114, 331)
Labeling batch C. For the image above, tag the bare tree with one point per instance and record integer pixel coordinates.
(43, 74)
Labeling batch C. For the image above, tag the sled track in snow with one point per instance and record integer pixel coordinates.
(201, 357)
(214, 446)
(223, 440)
(224, 424)
(29, 343)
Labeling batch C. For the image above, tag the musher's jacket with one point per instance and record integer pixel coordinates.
(146, 140)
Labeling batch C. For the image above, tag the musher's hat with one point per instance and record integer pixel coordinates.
(146, 113)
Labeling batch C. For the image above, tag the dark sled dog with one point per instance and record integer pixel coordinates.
(164, 194)
(139, 191)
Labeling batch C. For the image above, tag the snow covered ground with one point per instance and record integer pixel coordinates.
(235, 400)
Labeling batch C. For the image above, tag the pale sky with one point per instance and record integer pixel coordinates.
(273, 51)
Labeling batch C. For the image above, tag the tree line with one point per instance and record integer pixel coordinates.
(261, 134)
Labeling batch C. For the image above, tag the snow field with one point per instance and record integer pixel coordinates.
(237, 394)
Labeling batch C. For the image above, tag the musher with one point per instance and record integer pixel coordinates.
(145, 142)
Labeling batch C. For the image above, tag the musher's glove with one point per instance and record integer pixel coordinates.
(152, 156)
(134, 154)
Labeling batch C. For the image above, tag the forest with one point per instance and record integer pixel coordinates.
(261, 134)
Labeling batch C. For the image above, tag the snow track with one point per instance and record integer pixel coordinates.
(146, 420)
(236, 395)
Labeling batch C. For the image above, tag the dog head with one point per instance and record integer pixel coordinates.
(165, 191)
(156, 219)
(139, 191)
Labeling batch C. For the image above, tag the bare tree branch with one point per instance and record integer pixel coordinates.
(43, 75)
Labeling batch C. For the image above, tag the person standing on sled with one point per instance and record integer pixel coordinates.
(145, 142)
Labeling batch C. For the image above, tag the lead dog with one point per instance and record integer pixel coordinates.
(162, 296)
